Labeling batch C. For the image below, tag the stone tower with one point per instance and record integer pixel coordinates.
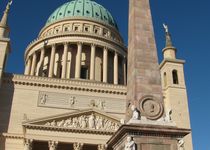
(4, 40)
(174, 88)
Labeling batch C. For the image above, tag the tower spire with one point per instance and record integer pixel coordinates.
(4, 29)
(4, 19)
(169, 51)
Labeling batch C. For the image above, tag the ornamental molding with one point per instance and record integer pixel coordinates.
(77, 18)
(11, 136)
(85, 121)
(68, 84)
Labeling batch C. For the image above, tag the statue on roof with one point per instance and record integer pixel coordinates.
(166, 28)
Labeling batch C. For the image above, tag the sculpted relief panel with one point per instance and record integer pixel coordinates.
(71, 101)
(90, 121)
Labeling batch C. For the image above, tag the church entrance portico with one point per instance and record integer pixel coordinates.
(83, 130)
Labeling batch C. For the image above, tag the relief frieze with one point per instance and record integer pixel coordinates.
(72, 101)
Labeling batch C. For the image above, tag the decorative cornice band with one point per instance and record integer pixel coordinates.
(78, 85)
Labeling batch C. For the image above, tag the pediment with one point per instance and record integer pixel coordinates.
(86, 120)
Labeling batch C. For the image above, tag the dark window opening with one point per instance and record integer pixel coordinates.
(86, 29)
(76, 28)
(175, 77)
(165, 79)
(84, 72)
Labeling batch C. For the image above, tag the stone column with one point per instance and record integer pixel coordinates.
(78, 60)
(52, 145)
(68, 72)
(116, 68)
(124, 70)
(105, 65)
(40, 64)
(33, 67)
(102, 147)
(78, 146)
(52, 61)
(28, 144)
(92, 62)
(28, 67)
(65, 55)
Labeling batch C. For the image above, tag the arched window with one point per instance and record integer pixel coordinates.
(175, 77)
(165, 79)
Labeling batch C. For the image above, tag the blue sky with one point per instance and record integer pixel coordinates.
(188, 20)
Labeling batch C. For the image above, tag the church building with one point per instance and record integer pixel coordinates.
(84, 89)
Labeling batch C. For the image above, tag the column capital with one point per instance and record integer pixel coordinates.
(79, 43)
(102, 147)
(28, 144)
(52, 145)
(78, 146)
(54, 45)
(106, 48)
(66, 43)
(93, 45)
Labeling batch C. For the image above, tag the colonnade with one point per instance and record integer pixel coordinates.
(53, 145)
(35, 64)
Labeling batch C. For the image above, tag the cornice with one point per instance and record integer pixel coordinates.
(77, 18)
(61, 129)
(68, 84)
(177, 61)
(12, 136)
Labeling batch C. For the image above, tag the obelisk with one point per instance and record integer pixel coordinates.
(144, 82)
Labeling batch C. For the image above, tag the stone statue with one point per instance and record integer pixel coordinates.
(181, 144)
(166, 28)
(43, 99)
(72, 100)
(91, 121)
(130, 144)
(9, 4)
(168, 115)
(136, 113)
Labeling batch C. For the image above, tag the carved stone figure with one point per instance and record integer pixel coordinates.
(28, 144)
(83, 122)
(168, 115)
(101, 104)
(78, 146)
(43, 99)
(130, 144)
(181, 144)
(72, 100)
(86, 122)
(99, 124)
(136, 113)
(92, 121)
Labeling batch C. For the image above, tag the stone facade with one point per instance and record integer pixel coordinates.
(75, 94)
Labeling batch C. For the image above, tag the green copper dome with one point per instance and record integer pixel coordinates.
(82, 8)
